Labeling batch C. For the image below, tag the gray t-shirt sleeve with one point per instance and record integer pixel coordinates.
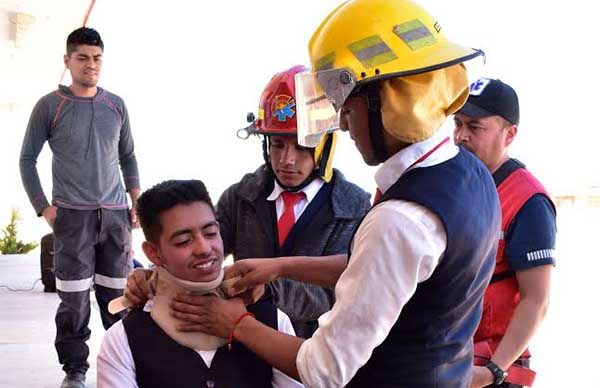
(37, 133)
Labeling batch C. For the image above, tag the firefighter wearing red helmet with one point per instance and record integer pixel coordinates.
(277, 122)
(252, 212)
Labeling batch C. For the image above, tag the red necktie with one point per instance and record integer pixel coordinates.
(378, 195)
(288, 218)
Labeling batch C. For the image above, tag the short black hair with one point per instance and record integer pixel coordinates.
(164, 196)
(85, 36)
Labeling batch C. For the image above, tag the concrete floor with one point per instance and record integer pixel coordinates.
(27, 330)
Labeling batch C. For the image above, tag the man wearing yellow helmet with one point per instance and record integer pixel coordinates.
(408, 295)
(259, 218)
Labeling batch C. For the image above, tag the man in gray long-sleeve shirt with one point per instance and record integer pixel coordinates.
(88, 131)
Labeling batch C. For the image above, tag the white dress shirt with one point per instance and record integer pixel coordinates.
(116, 368)
(310, 191)
(397, 246)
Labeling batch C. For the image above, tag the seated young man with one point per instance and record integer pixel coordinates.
(146, 349)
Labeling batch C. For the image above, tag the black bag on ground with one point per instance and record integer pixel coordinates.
(47, 263)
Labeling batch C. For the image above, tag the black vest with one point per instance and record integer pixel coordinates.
(161, 362)
(431, 343)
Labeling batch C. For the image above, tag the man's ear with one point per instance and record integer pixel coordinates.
(66, 60)
(152, 253)
(511, 133)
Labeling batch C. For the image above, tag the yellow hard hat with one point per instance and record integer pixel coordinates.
(383, 38)
(363, 41)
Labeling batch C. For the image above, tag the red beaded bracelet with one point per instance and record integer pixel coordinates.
(231, 337)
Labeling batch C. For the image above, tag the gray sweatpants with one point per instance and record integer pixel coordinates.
(90, 247)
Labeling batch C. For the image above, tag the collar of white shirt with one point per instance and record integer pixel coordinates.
(402, 161)
(310, 190)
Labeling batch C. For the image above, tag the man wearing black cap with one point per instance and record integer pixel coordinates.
(516, 300)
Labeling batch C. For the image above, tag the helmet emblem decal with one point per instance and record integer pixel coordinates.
(283, 107)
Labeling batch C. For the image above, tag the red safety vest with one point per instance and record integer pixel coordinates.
(502, 295)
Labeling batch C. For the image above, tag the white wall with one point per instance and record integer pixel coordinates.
(189, 72)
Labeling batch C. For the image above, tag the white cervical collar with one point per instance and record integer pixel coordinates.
(167, 286)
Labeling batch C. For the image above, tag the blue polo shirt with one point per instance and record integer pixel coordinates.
(531, 237)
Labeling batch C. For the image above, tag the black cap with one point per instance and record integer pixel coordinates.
(491, 97)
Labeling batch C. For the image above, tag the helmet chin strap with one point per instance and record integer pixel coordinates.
(375, 122)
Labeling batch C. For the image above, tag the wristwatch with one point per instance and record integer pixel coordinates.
(499, 374)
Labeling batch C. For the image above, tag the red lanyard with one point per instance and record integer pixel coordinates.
(428, 154)
(378, 193)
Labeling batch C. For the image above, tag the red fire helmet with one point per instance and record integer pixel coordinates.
(277, 107)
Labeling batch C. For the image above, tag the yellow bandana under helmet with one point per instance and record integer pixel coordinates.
(414, 107)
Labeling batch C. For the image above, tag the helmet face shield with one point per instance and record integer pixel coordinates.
(320, 96)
